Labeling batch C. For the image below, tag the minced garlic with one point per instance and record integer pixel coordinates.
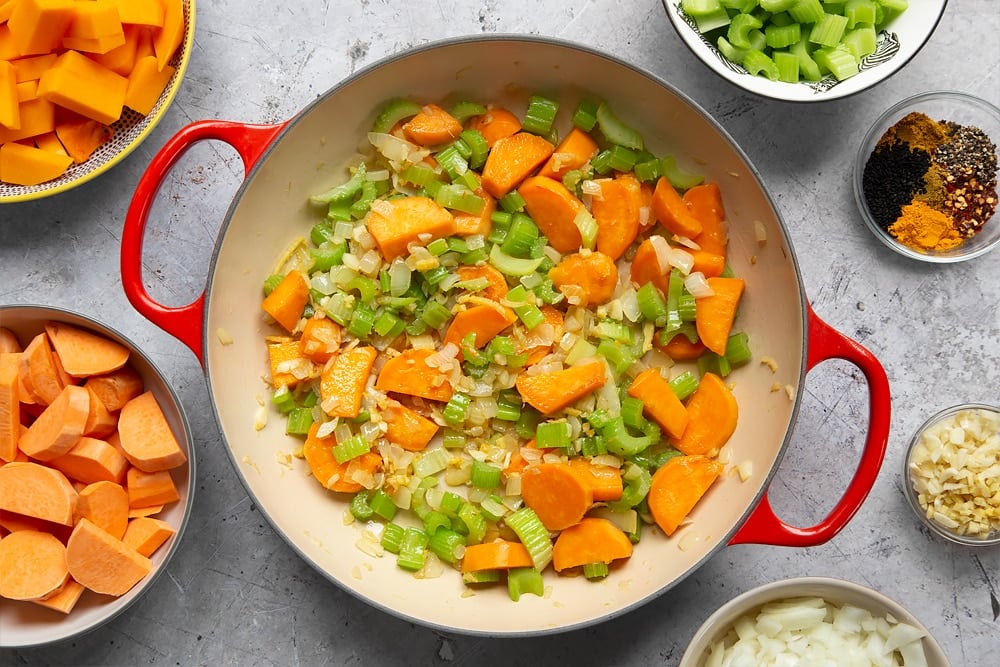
(955, 472)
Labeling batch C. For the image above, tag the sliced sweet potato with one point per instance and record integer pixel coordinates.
(59, 426)
(106, 504)
(102, 563)
(32, 565)
(147, 440)
(37, 491)
(146, 534)
(84, 353)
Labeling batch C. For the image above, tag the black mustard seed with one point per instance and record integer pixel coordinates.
(892, 176)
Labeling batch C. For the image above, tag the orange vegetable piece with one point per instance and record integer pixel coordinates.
(39, 371)
(432, 126)
(81, 137)
(677, 486)
(574, 151)
(467, 224)
(714, 315)
(32, 67)
(146, 82)
(84, 353)
(342, 385)
(594, 272)
(136, 512)
(592, 540)
(411, 220)
(495, 555)
(64, 599)
(32, 565)
(497, 288)
(485, 321)
(280, 350)
(146, 534)
(26, 165)
(679, 348)
(557, 494)
(408, 428)
(122, 59)
(141, 12)
(150, 488)
(320, 339)
(38, 26)
(712, 416)
(286, 302)
(147, 440)
(496, 124)
(10, 406)
(10, 115)
(102, 563)
(671, 211)
(554, 210)
(409, 374)
(117, 388)
(605, 481)
(617, 214)
(705, 203)
(92, 460)
(37, 491)
(94, 44)
(318, 453)
(9, 342)
(511, 160)
(659, 401)
(168, 38)
(59, 427)
(36, 116)
(709, 263)
(554, 318)
(551, 392)
(95, 19)
(78, 83)
(106, 504)
(100, 422)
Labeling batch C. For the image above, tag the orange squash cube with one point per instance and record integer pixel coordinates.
(38, 26)
(84, 86)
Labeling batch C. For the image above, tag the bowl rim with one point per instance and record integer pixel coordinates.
(44, 312)
(727, 72)
(820, 586)
(878, 127)
(166, 100)
(910, 492)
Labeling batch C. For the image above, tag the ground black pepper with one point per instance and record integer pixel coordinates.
(893, 175)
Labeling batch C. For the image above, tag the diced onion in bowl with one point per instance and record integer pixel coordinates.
(697, 284)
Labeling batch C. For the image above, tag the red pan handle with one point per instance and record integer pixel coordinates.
(186, 323)
(763, 526)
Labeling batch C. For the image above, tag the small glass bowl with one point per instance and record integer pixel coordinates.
(911, 494)
(953, 106)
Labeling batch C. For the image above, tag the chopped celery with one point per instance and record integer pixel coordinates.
(360, 508)
(484, 475)
(788, 66)
(553, 435)
(343, 191)
(700, 7)
(447, 545)
(744, 6)
(474, 522)
(636, 481)
(861, 41)
(757, 62)
(616, 131)
(394, 111)
(680, 178)
(684, 384)
(454, 411)
(382, 505)
(806, 11)
(585, 116)
(739, 29)
(481, 577)
(512, 202)
(298, 421)
(520, 237)
(533, 535)
(780, 36)
(412, 549)
(738, 348)
(459, 198)
(512, 266)
(522, 580)
(859, 12)
(828, 30)
(283, 399)
(774, 6)
(464, 110)
(540, 115)
(392, 537)
(807, 66)
(838, 60)
(351, 448)
(435, 520)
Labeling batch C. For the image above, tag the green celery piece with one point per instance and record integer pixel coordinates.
(744, 6)
(394, 111)
(731, 53)
(462, 111)
(521, 580)
(860, 41)
(788, 66)
(532, 534)
(828, 30)
(780, 36)
(512, 266)
(774, 6)
(697, 8)
(680, 178)
(739, 29)
(889, 10)
(757, 39)
(595, 570)
(709, 22)
(806, 11)
(838, 60)
(615, 131)
(859, 11)
(807, 66)
(344, 191)
(758, 63)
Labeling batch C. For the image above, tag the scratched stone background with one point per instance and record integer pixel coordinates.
(235, 594)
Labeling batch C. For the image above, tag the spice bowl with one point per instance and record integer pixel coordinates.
(946, 474)
(925, 177)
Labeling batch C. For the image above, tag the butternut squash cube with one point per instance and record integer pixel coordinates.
(168, 37)
(94, 44)
(121, 59)
(38, 116)
(80, 137)
(38, 26)
(141, 12)
(31, 68)
(95, 19)
(145, 85)
(25, 165)
(10, 116)
(27, 91)
(84, 86)
(50, 142)
(7, 50)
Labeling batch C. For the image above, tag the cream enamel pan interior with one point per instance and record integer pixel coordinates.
(270, 212)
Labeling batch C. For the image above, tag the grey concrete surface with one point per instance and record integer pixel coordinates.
(235, 594)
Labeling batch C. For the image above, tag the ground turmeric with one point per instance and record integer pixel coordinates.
(920, 226)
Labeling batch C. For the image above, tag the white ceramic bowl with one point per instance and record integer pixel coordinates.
(834, 591)
(952, 106)
(936, 526)
(23, 624)
(897, 44)
(129, 131)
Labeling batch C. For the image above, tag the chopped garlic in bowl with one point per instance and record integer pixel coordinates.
(952, 468)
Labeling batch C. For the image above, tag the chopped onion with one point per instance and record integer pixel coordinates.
(687, 242)
(759, 232)
(645, 216)
(662, 249)
(592, 188)
(697, 284)
(682, 260)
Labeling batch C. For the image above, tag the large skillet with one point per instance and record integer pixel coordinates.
(289, 161)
